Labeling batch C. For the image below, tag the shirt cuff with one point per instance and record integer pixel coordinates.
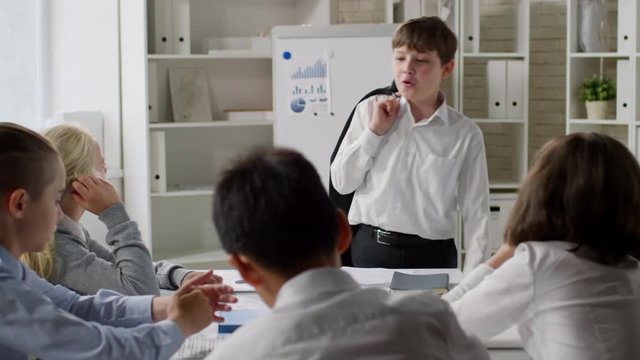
(177, 274)
(114, 215)
(139, 307)
(369, 142)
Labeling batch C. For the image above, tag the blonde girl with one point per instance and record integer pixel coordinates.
(75, 259)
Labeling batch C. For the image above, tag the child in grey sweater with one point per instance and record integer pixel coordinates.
(81, 263)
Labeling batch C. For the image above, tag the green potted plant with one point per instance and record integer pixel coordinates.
(597, 92)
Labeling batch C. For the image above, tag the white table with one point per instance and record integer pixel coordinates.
(505, 346)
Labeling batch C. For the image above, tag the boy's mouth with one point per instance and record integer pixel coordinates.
(407, 82)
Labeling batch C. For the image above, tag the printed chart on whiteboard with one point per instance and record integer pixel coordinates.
(309, 84)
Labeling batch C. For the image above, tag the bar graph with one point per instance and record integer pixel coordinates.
(317, 70)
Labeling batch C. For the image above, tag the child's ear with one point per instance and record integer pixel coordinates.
(447, 69)
(17, 201)
(247, 268)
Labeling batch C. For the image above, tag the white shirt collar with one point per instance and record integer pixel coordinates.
(442, 112)
(70, 225)
(315, 284)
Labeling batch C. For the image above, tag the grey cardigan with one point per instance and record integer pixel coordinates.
(126, 268)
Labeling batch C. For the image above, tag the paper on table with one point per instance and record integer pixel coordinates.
(233, 279)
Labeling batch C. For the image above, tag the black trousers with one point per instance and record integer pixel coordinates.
(395, 250)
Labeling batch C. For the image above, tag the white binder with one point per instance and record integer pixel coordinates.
(626, 26)
(496, 86)
(471, 36)
(153, 92)
(163, 32)
(515, 89)
(181, 27)
(158, 161)
(624, 91)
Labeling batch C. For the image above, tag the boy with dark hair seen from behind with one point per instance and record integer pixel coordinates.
(289, 250)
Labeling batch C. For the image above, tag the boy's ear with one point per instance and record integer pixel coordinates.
(447, 69)
(16, 203)
(247, 268)
(344, 231)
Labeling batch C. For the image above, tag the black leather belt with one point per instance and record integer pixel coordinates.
(392, 238)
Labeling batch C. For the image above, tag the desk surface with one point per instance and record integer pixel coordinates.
(505, 346)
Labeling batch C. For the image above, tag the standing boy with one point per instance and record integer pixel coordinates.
(414, 162)
(289, 250)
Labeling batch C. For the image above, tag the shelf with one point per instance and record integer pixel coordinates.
(184, 193)
(597, 122)
(495, 55)
(209, 124)
(499, 121)
(599, 55)
(504, 186)
(217, 54)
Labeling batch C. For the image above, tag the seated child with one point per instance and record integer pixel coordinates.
(570, 285)
(81, 263)
(284, 235)
(46, 321)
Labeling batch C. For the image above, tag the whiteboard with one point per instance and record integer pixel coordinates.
(358, 59)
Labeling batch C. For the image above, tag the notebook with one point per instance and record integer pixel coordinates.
(437, 282)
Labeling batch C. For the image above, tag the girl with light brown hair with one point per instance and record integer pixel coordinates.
(566, 275)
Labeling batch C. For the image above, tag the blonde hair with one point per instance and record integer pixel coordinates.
(41, 262)
(77, 149)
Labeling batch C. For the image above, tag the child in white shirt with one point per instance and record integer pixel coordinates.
(566, 275)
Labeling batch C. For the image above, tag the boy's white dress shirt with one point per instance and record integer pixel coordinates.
(414, 178)
(324, 314)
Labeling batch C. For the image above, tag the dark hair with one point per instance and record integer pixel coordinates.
(584, 189)
(25, 160)
(427, 33)
(271, 206)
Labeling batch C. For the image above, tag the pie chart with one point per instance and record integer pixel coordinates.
(297, 105)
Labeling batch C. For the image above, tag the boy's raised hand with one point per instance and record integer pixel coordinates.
(192, 306)
(385, 111)
(94, 194)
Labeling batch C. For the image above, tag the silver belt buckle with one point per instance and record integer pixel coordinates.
(379, 234)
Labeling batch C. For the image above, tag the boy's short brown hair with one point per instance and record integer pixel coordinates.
(26, 159)
(427, 33)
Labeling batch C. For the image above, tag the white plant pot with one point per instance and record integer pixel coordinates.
(596, 110)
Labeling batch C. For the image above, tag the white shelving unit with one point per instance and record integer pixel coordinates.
(620, 64)
(229, 41)
(494, 47)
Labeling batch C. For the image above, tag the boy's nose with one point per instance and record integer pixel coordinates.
(408, 67)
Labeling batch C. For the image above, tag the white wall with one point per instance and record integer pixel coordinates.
(85, 69)
(85, 74)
